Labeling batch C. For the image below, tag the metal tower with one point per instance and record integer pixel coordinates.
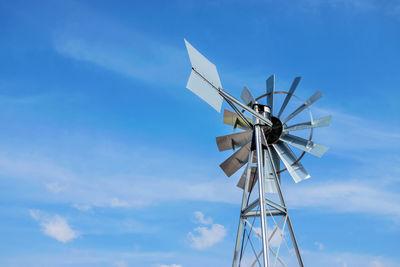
(263, 144)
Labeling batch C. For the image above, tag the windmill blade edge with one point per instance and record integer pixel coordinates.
(247, 97)
(252, 182)
(295, 169)
(270, 84)
(312, 99)
(317, 123)
(204, 79)
(236, 161)
(232, 141)
(305, 145)
(203, 90)
(231, 118)
(293, 87)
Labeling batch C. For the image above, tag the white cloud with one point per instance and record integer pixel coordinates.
(55, 187)
(116, 203)
(120, 264)
(201, 218)
(206, 237)
(377, 263)
(135, 188)
(82, 207)
(35, 214)
(43, 169)
(276, 239)
(124, 51)
(94, 257)
(319, 245)
(54, 226)
(349, 134)
(130, 189)
(322, 258)
(172, 265)
(348, 196)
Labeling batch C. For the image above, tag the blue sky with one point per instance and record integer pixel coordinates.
(107, 160)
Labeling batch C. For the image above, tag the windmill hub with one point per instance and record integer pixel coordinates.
(275, 131)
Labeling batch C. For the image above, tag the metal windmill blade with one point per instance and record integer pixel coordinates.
(232, 141)
(236, 161)
(317, 95)
(247, 97)
(288, 158)
(305, 145)
(265, 141)
(289, 95)
(321, 122)
(203, 68)
(270, 92)
(233, 119)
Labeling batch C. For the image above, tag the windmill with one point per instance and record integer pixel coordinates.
(265, 141)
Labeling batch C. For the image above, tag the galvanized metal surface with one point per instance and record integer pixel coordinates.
(204, 81)
(233, 141)
(289, 95)
(294, 240)
(203, 66)
(244, 201)
(229, 97)
(296, 170)
(321, 122)
(305, 145)
(260, 173)
(270, 186)
(197, 85)
(317, 95)
(253, 178)
(236, 161)
(247, 97)
(233, 119)
(270, 84)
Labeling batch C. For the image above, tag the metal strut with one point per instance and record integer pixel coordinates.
(289, 223)
(260, 173)
(266, 208)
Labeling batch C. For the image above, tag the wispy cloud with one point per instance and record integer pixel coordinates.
(91, 257)
(82, 207)
(55, 187)
(116, 203)
(345, 197)
(55, 226)
(369, 185)
(145, 60)
(120, 264)
(352, 134)
(126, 51)
(277, 238)
(135, 188)
(319, 245)
(131, 189)
(201, 218)
(325, 258)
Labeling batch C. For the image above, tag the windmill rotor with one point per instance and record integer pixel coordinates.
(260, 144)
(279, 134)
